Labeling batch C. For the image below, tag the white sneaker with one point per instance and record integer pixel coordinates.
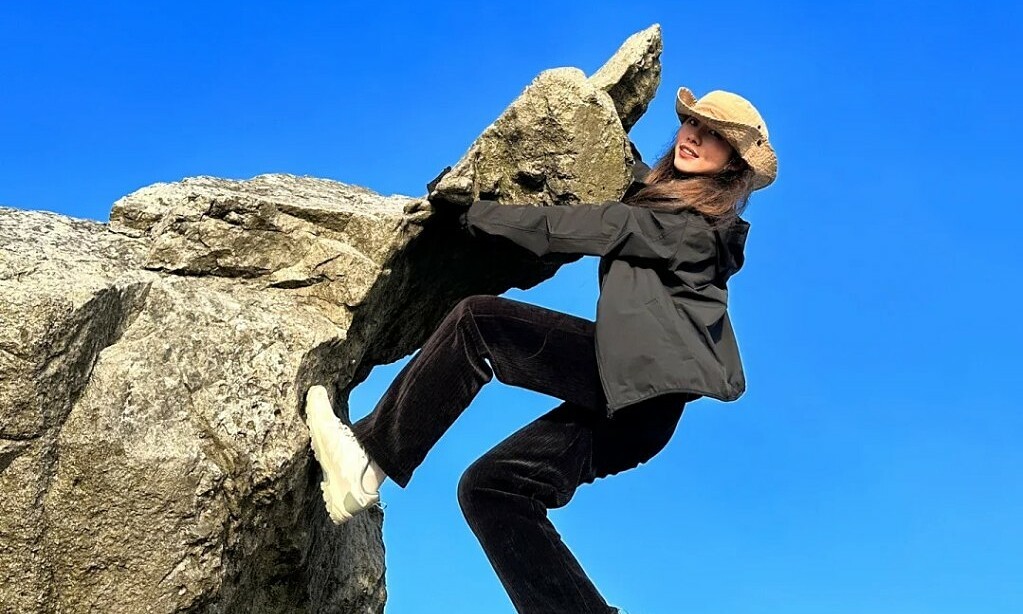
(341, 457)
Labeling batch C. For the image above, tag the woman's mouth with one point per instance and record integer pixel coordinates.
(686, 152)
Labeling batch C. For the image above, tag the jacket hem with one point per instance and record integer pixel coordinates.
(611, 408)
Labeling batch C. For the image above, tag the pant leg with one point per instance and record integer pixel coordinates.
(506, 493)
(527, 346)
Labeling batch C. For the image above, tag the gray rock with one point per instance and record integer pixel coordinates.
(153, 456)
(632, 74)
(564, 139)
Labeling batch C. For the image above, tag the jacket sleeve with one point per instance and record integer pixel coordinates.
(608, 228)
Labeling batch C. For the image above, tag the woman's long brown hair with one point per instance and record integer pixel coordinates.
(720, 197)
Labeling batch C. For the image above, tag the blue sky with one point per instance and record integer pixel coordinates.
(873, 464)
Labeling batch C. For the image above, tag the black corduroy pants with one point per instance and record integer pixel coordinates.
(505, 494)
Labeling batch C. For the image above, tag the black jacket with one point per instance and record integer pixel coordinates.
(662, 321)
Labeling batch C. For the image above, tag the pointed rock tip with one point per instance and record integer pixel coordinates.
(631, 76)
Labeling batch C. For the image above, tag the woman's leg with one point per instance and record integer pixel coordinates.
(527, 346)
(506, 493)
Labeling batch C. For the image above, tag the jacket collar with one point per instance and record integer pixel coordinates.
(733, 238)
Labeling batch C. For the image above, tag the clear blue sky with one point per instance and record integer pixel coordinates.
(873, 464)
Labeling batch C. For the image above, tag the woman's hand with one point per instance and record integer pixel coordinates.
(454, 197)
(448, 203)
(416, 212)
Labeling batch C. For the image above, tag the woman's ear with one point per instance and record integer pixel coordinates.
(735, 163)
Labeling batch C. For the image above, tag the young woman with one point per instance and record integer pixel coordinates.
(661, 339)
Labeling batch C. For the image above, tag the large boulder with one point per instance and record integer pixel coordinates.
(153, 456)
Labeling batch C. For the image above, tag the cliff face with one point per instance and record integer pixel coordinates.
(152, 453)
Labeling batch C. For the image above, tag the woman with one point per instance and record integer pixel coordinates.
(662, 338)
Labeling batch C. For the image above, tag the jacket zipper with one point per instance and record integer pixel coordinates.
(600, 371)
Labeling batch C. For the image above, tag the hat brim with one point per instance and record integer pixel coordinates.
(685, 104)
(760, 156)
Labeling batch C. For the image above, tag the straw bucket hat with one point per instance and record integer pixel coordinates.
(740, 123)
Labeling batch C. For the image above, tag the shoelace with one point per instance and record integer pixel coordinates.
(347, 432)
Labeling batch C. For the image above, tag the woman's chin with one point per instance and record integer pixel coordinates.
(685, 166)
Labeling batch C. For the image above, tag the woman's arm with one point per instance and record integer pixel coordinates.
(595, 230)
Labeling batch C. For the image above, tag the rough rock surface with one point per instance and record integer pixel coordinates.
(564, 139)
(632, 74)
(153, 456)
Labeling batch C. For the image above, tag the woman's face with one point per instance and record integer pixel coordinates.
(709, 153)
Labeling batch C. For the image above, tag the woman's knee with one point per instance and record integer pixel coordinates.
(481, 473)
(475, 303)
(497, 470)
